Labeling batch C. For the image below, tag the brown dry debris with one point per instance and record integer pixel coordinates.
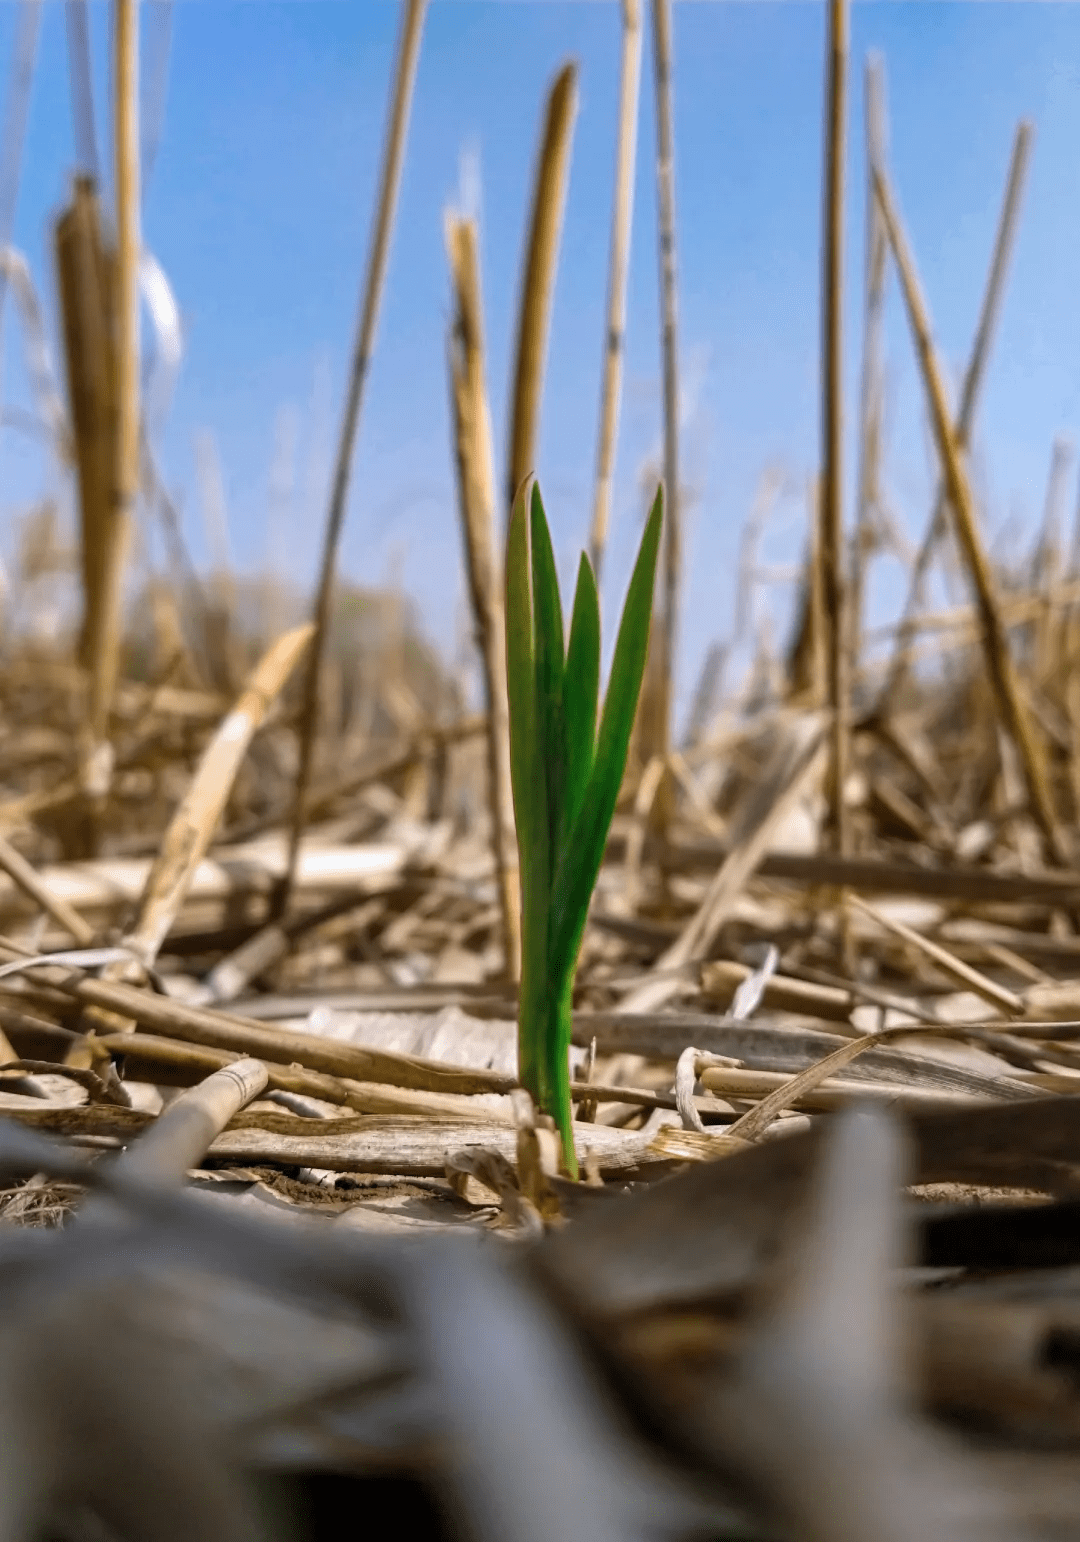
(274, 1210)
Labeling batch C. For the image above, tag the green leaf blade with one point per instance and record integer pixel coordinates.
(550, 666)
(584, 850)
(521, 675)
(529, 785)
(581, 694)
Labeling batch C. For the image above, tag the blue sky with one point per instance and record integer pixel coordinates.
(259, 208)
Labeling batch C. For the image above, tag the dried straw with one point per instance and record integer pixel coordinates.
(389, 183)
(1011, 705)
(830, 512)
(104, 641)
(666, 637)
(872, 404)
(476, 485)
(538, 277)
(618, 270)
(969, 396)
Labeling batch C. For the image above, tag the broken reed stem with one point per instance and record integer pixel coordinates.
(389, 183)
(21, 873)
(805, 665)
(980, 352)
(181, 1136)
(618, 270)
(538, 278)
(84, 280)
(1050, 640)
(872, 405)
(476, 490)
(1011, 705)
(665, 190)
(81, 86)
(191, 829)
(104, 643)
(831, 512)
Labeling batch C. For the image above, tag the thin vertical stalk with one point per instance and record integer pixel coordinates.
(389, 183)
(476, 489)
(104, 644)
(665, 187)
(871, 404)
(831, 511)
(1004, 241)
(81, 86)
(618, 270)
(17, 111)
(1012, 707)
(805, 669)
(538, 279)
(1050, 632)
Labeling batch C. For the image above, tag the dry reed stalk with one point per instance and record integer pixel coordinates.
(707, 693)
(181, 1136)
(997, 995)
(618, 269)
(379, 766)
(538, 277)
(831, 513)
(84, 274)
(1004, 240)
(793, 769)
(191, 830)
(476, 489)
(805, 667)
(872, 403)
(104, 642)
(81, 86)
(21, 873)
(216, 620)
(154, 1058)
(221, 1030)
(1051, 626)
(17, 109)
(1011, 706)
(667, 634)
(389, 183)
(192, 827)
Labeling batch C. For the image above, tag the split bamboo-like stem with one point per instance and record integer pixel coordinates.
(476, 488)
(872, 404)
(538, 278)
(181, 1136)
(84, 274)
(831, 511)
(1011, 705)
(806, 656)
(390, 181)
(618, 270)
(672, 539)
(1004, 241)
(104, 643)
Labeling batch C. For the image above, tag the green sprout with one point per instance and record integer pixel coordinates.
(566, 776)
